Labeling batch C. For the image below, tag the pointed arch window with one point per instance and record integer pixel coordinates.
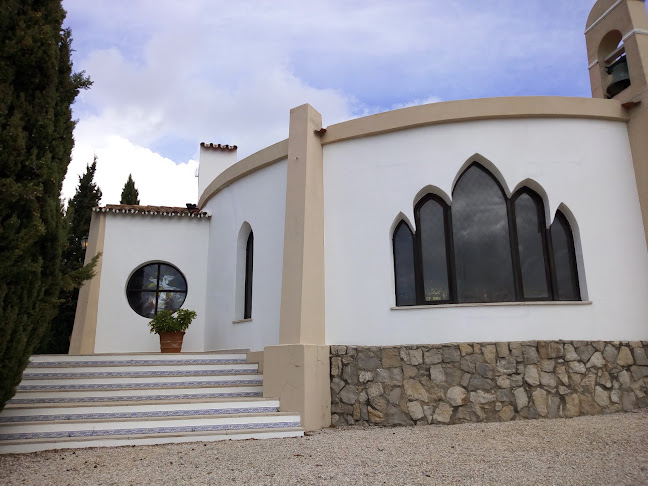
(404, 267)
(531, 239)
(564, 259)
(484, 247)
(431, 215)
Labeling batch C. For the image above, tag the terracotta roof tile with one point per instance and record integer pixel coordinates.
(151, 210)
(218, 146)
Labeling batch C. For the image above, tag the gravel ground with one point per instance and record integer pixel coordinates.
(610, 450)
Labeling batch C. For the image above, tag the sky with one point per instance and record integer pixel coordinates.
(168, 75)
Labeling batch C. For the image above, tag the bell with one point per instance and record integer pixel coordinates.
(620, 77)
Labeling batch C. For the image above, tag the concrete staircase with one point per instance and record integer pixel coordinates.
(111, 400)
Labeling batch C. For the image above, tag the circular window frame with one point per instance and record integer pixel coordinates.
(157, 290)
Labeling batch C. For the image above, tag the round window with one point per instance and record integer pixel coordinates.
(156, 287)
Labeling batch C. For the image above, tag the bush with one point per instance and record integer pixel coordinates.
(165, 321)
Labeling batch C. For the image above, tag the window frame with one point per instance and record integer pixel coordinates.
(547, 248)
(515, 248)
(157, 291)
(402, 222)
(572, 259)
(418, 251)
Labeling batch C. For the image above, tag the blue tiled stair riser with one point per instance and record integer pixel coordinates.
(129, 415)
(141, 431)
(134, 362)
(136, 398)
(108, 386)
(117, 374)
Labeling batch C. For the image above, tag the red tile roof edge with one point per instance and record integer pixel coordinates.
(151, 210)
(218, 146)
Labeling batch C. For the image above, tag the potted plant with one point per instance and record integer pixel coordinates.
(171, 328)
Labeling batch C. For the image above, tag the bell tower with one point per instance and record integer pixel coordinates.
(616, 35)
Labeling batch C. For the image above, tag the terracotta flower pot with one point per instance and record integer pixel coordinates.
(171, 342)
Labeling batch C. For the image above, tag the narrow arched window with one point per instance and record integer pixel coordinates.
(249, 260)
(482, 246)
(533, 261)
(431, 215)
(566, 285)
(404, 267)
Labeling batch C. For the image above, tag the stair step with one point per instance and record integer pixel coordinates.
(156, 359)
(117, 383)
(169, 426)
(136, 371)
(108, 400)
(136, 395)
(35, 445)
(107, 412)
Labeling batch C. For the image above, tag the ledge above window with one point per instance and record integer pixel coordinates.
(495, 304)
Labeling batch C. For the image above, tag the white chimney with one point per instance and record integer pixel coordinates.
(214, 159)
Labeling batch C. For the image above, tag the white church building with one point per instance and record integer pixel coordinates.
(501, 220)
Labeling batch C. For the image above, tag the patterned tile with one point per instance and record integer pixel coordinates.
(140, 431)
(130, 415)
(134, 362)
(137, 398)
(107, 386)
(122, 374)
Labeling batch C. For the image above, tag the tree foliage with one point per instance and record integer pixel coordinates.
(130, 194)
(37, 89)
(74, 273)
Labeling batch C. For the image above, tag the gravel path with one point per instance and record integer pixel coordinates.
(610, 450)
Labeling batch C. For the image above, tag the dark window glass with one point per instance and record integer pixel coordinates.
(566, 275)
(249, 258)
(529, 218)
(482, 248)
(171, 279)
(404, 265)
(155, 287)
(142, 302)
(431, 224)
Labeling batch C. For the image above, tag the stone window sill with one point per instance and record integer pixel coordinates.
(494, 304)
(241, 321)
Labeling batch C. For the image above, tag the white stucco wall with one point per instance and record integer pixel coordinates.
(131, 241)
(584, 164)
(260, 200)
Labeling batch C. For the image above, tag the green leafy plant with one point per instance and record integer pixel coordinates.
(166, 321)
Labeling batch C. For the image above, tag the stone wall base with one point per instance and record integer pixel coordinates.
(486, 382)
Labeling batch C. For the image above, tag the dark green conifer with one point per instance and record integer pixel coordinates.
(37, 89)
(77, 222)
(130, 194)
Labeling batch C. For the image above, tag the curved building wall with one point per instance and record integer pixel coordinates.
(131, 241)
(258, 199)
(583, 164)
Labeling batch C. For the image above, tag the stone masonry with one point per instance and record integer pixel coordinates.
(486, 382)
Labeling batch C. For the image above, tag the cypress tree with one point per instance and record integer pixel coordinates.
(77, 222)
(130, 194)
(37, 89)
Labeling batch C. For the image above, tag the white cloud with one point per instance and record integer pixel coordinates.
(168, 75)
(160, 181)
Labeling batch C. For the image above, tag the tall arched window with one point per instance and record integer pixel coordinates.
(482, 245)
(249, 259)
(484, 248)
(244, 267)
(564, 259)
(404, 267)
(431, 215)
(531, 241)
